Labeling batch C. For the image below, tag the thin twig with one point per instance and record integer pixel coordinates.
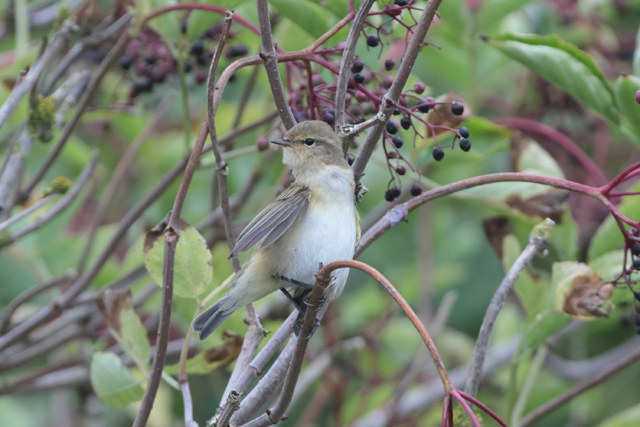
(25, 213)
(537, 241)
(57, 44)
(391, 98)
(553, 404)
(60, 206)
(269, 57)
(119, 175)
(345, 63)
(171, 237)
(5, 320)
(111, 57)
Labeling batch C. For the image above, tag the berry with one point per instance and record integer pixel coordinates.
(125, 62)
(636, 249)
(328, 116)
(389, 64)
(401, 170)
(187, 67)
(392, 193)
(201, 76)
(465, 144)
(397, 141)
(457, 108)
(396, 112)
(197, 48)
(262, 143)
(183, 26)
(373, 40)
(438, 154)
(638, 330)
(202, 60)
(392, 128)
(141, 86)
(358, 78)
(464, 132)
(151, 59)
(361, 97)
(400, 2)
(423, 106)
(357, 66)
(637, 295)
(636, 265)
(237, 50)
(350, 159)
(638, 97)
(405, 122)
(387, 81)
(141, 68)
(416, 189)
(392, 155)
(637, 321)
(418, 88)
(158, 76)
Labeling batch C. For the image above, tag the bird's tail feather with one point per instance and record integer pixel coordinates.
(209, 320)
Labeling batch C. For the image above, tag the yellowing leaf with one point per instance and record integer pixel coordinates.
(212, 359)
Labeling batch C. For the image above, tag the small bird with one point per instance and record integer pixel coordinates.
(313, 221)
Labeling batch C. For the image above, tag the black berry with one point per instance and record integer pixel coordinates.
(183, 26)
(637, 321)
(141, 86)
(392, 128)
(638, 330)
(350, 159)
(636, 249)
(373, 40)
(151, 59)
(389, 63)
(401, 170)
(464, 132)
(396, 112)
(636, 266)
(465, 144)
(357, 66)
(400, 2)
(237, 50)
(392, 193)
(397, 141)
(457, 108)
(187, 67)
(125, 62)
(405, 122)
(438, 154)
(416, 189)
(358, 78)
(423, 106)
(198, 47)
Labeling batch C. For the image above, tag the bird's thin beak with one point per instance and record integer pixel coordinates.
(283, 142)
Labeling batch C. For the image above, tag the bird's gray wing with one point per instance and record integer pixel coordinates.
(274, 219)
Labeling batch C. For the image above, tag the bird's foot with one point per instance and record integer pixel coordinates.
(294, 282)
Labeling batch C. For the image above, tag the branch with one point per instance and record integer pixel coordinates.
(585, 385)
(269, 57)
(171, 237)
(60, 206)
(57, 44)
(111, 57)
(345, 64)
(390, 100)
(537, 241)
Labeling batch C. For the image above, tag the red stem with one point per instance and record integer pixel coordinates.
(466, 407)
(626, 174)
(483, 407)
(200, 6)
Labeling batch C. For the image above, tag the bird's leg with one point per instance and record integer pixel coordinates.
(297, 326)
(295, 282)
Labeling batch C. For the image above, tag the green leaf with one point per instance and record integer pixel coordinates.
(310, 17)
(112, 382)
(493, 11)
(627, 418)
(625, 89)
(167, 24)
(193, 264)
(609, 237)
(564, 65)
(134, 335)
(201, 20)
(545, 324)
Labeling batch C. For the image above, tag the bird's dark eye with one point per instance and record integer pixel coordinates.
(309, 141)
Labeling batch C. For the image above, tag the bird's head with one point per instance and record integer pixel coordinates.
(311, 144)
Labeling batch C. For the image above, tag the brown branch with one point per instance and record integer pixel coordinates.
(537, 242)
(5, 320)
(391, 98)
(345, 63)
(269, 57)
(553, 404)
(111, 57)
(171, 237)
